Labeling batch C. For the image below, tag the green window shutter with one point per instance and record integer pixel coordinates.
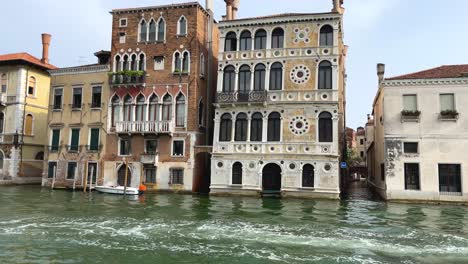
(55, 139)
(75, 139)
(94, 142)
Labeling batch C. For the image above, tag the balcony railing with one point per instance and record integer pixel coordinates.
(277, 96)
(144, 127)
(276, 148)
(127, 78)
(242, 97)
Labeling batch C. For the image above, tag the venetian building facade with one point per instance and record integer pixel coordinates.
(279, 117)
(420, 135)
(159, 99)
(24, 99)
(75, 129)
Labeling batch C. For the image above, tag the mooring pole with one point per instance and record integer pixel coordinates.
(91, 179)
(126, 175)
(74, 178)
(53, 178)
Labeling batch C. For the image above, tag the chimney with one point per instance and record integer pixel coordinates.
(45, 47)
(381, 71)
(338, 6)
(229, 9)
(209, 5)
(235, 8)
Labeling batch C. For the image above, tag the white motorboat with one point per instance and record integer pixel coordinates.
(117, 190)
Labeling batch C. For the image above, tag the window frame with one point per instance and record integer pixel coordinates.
(75, 96)
(232, 42)
(276, 77)
(119, 147)
(91, 146)
(241, 127)
(70, 148)
(416, 102)
(171, 176)
(94, 104)
(228, 128)
(179, 27)
(181, 106)
(121, 20)
(55, 148)
(406, 177)
(308, 184)
(325, 73)
(229, 79)
(146, 152)
(453, 102)
(407, 144)
(458, 170)
(260, 40)
(237, 173)
(33, 94)
(67, 177)
(50, 174)
(324, 37)
(274, 134)
(278, 39)
(3, 83)
(147, 168)
(322, 136)
(173, 147)
(256, 132)
(32, 125)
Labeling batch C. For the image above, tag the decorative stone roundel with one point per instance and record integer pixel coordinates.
(300, 74)
(299, 125)
(302, 35)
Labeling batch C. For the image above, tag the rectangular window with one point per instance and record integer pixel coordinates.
(410, 102)
(58, 98)
(92, 172)
(124, 147)
(123, 22)
(412, 176)
(71, 170)
(76, 104)
(178, 148)
(52, 169)
(151, 146)
(382, 171)
(122, 38)
(362, 154)
(75, 139)
(94, 139)
(447, 102)
(362, 142)
(159, 63)
(150, 174)
(96, 97)
(55, 141)
(176, 176)
(410, 147)
(450, 178)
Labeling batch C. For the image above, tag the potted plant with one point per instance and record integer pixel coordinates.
(449, 114)
(411, 113)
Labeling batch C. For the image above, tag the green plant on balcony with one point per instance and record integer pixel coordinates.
(177, 70)
(127, 73)
(411, 113)
(449, 113)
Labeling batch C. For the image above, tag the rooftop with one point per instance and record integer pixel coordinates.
(25, 57)
(445, 71)
(179, 5)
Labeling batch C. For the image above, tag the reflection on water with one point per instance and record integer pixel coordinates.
(42, 226)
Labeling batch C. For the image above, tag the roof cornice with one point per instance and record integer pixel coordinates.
(80, 70)
(423, 82)
(279, 20)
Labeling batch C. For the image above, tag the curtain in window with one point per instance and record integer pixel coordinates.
(140, 108)
(115, 117)
(447, 102)
(153, 108)
(167, 108)
(127, 108)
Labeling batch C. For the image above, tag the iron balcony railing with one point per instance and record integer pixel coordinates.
(242, 97)
(144, 127)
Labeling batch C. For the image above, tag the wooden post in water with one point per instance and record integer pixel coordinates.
(74, 178)
(91, 178)
(53, 176)
(126, 177)
(85, 178)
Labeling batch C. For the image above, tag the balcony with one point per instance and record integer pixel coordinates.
(144, 127)
(277, 97)
(278, 53)
(410, 116)
(127, 78)
(282, 148)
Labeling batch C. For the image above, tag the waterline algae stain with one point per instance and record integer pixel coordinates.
(39, 226)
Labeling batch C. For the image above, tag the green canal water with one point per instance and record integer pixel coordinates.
(42, 226)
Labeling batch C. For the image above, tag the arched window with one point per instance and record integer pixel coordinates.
(4, 83)
(143, 31)
(237, 173)
(244, 79)
(241, 127)
(274, 127)
(259, 78)
(39, 155)
(325, 127)
(127, 115)
(28, 125)
(225, 128)
(277, 38)
(229, 78)
(152, 30)
(161, 29)
(167, 108)
(200, 113)
(133, 63)
(141, 65)
(115, 117)
(186, 62)
(2, 122)
(230, 43)
(246, 40)
(32, 86)
(325, 75)
(256, 128)
(153, 108)
(260, 39)
(326, 36)
(125, 63)
(276, 76)
(182, 26)
(308, 176)
(140, 108)
(117, 63)
(176, 62)
(180, 110)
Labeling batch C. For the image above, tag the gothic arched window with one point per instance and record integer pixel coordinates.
(325, 127)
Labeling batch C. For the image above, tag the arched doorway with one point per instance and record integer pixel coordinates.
(271, 178)
(121, 176)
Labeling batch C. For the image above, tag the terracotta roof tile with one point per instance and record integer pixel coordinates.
(445, 71)
(27, 58)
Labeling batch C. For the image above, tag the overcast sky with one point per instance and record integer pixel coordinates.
(406, 35)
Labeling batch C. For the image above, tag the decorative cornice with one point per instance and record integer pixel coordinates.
(423, 82)
(80, 70)
(278, 20)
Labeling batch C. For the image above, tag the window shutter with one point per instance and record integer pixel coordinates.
(55, 138)
(94, 142)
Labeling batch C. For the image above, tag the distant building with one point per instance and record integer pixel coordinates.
(350, 138)
(369, 147)
(279, 118)
(420, 135)
(361, 144)
(76, 131)
(160, 98)
(24, 101)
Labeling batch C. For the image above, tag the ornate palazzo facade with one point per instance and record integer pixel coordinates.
(279, 113)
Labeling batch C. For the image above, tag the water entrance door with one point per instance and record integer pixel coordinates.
(271, 178)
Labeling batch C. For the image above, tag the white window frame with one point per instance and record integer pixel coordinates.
(179, 29)
(139, 31)
(73, 95)
(172, 148)
(35, 87)
(53, 99)
(157, 30)
(146, 140)
(403, 101)
(66, 174)
(56, 166)
(96, 172)
(118, 148)
(171, 178)
(120, 22)
(122, 38)
(163, 63)
(454, 101)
